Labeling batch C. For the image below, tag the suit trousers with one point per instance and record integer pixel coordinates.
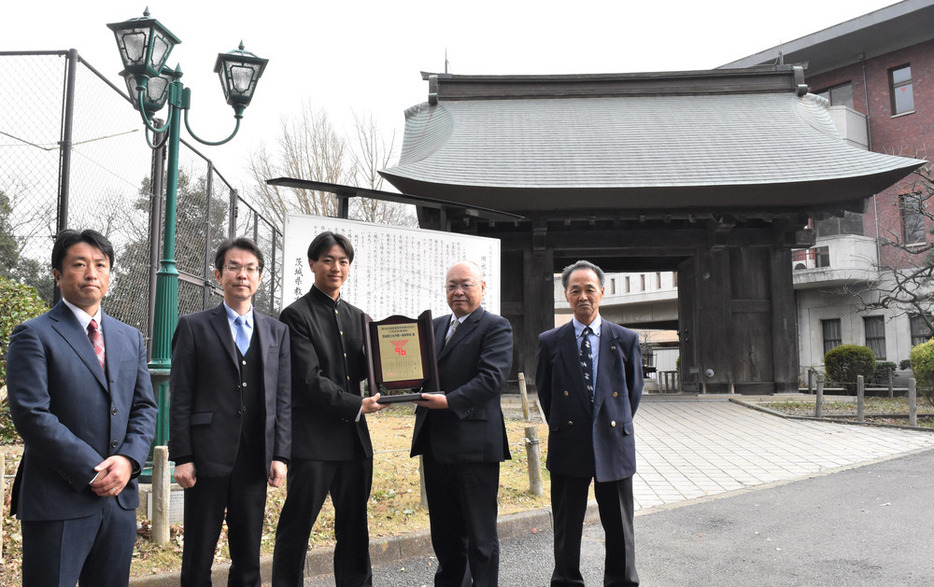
(242, 494)
(93, 550)
(615, 503)
(462, 506)
(309, 483)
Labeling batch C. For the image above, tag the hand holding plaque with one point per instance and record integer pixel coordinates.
(401, 359)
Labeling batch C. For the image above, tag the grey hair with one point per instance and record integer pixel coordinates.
(566, 274)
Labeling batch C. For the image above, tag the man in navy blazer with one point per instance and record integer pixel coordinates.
(589, 380)
(230, 418)
(461, 435)
(81, 398)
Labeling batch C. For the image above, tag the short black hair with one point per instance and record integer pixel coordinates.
(241, 242)
(327, 239)
(68, 238)
(566, 274)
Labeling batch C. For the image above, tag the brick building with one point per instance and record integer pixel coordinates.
(877, 71)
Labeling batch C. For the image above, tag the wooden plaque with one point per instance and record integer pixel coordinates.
(401, 359)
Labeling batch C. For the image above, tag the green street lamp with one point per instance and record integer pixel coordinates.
(145, 45)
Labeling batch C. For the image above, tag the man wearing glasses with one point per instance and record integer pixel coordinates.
(461, 435)
(230, 418)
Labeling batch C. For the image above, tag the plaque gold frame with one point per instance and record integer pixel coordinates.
(401, 359)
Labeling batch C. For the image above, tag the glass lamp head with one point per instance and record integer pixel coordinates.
(156, 89)
(144, 45)
(239, 72)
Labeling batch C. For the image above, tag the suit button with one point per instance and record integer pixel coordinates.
(615, 394)
(113, 444)
(239, 413)
(114, 411)
(570, 423)
(566, 393)
(613, 423)
(244, 384)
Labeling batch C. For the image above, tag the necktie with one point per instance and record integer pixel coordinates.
(454, 324)
(586, 355)
(97, 341)
(243, 339)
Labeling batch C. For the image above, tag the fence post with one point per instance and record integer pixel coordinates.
(912, 402)
(860, 399)
(819, 403)
(534, 451)
(523, 393)
(161, 486)
(891, 383)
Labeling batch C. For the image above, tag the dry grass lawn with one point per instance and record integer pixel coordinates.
(394, 506)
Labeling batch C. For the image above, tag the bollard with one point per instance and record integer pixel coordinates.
(819, 402)
(161, 488)
(423, 493)
(534, 451)
(891, 383)
(811, 375)
(525, 397)
(912, 402)
(860, 399)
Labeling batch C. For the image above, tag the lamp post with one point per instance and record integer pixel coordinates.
(144, 45)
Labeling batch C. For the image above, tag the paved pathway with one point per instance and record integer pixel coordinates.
(694, 447)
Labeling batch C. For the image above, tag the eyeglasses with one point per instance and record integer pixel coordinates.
(451, 287)
(251, 270)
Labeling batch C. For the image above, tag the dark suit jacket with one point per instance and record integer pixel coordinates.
(206, 393)
(328, 364)
(71, 416)
(590, 439)
(473, 369)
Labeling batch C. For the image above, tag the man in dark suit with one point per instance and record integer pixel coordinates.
(461, 435)
(589, 380)
(331, 449)
(81, 398)
(230, 418)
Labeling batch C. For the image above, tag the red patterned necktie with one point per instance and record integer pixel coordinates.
(97, 341)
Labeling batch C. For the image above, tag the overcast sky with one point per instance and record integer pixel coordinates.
(364, 57)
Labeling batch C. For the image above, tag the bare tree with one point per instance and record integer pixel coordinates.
(372, 152)
(907, 282)
(309, 147)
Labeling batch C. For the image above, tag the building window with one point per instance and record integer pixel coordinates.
(821, 257)
(642, 282)
(612, 285)
(900, 86)
(850, 223)
(628, 285)
(658, 281)
(832, 337)
(912, 209)
(841, 95)
(920, 332)
(875, 335)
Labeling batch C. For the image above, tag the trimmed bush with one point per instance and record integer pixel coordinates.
(922, 365)
(881, 375)
(18, 303)
(845, 362)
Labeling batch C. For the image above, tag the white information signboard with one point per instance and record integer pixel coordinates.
(395, 271)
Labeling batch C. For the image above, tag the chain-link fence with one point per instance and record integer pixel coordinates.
(73, 155)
